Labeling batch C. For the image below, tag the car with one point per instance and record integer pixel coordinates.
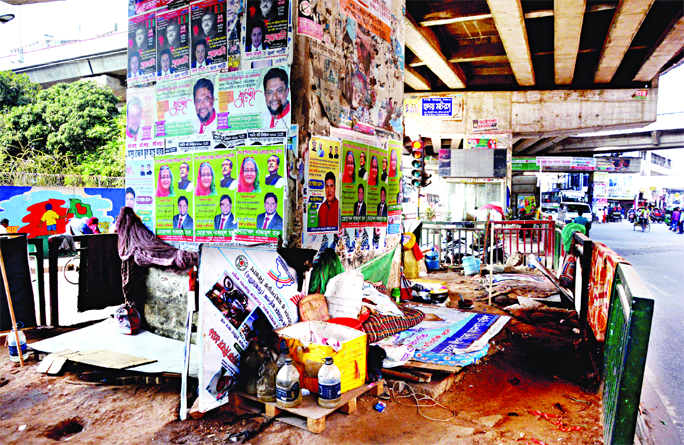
(572, 210)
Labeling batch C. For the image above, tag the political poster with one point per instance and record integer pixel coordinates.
(308, 20)
(242, 292)
(259, 200)
(323, 185)
(374, 16)
(354, 184)
(215, 219)
(148, 5)
(173, 44)
(377, 207)
(176, 115)
(139, 190)
(189, 144)
(268, 29)
(142, 48)
(174, 204)
(394, 190)
(254, 99)
(140, 115)
(208, 20)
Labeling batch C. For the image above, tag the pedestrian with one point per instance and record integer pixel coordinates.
(603, 215)
(675, 219)
(681, 222)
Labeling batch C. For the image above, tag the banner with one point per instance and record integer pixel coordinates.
(215, 220)
(374, 16)
(139, 190)
(377, 209)
(174, 204)
(323, 184)
(254, 99)
(242, 292)
(268, 29)
(140, 116)
(142, 49)
(175, 110)
(395, 199)
(259, 200)
(209, 24)
(173, 44)
(354, 184)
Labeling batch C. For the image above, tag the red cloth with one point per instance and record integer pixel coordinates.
(603, 267)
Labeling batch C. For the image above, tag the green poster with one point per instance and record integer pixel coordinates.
(174, 206)
(323, 182)
(377, 187)
(215, 188)
(259, 193)
(354, 185)
(175, 109)
(394, 149)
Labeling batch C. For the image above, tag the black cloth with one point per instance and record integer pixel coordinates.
(15, 256)
(99, 278)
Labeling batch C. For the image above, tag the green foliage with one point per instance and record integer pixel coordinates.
(429, 214)
(67, 129)
(16, 90)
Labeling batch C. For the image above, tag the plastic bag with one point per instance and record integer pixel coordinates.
(129, 318)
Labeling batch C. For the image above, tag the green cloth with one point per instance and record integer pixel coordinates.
(328, 266)
(567, 233)
(379, 268)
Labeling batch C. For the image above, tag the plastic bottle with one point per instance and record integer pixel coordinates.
(329, 384)
(288, 391)
(12, 343)
(284, 353)
(249, 367)
(266, 385)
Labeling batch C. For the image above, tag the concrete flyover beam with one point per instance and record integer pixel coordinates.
(568, 16)
(413, 79)
(627, 20)
(424, 43)
(672, 44)
(667, 139)
(510, 23)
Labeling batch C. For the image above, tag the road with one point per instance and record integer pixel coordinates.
(658, 257)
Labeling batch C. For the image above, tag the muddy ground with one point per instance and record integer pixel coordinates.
(492, 403)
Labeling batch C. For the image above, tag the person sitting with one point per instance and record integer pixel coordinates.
(582, 220)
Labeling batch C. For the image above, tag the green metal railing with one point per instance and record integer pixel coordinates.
(624, 359)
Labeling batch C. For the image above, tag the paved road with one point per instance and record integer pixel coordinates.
(658, 257)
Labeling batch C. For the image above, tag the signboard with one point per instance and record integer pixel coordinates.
(450, 107)
(525, 164)
(567, 163)
(485, 124)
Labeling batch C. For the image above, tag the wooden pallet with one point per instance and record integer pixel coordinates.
(309, 415)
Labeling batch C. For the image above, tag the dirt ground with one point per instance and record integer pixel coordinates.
(492, 401)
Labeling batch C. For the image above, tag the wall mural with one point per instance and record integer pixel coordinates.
(40, 211)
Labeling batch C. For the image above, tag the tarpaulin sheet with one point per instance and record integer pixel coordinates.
(15, 256)
(459, 339)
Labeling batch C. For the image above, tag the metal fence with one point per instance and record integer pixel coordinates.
(43, 180)
(453, 240)
(525, 237)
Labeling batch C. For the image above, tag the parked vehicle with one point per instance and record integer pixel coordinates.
(572, 210)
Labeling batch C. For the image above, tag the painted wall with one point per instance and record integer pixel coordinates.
(25, 206)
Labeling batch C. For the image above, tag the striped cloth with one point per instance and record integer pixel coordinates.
(379, 326)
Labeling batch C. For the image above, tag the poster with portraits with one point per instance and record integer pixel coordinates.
(215, 219)
(254, 99)
(142, 48)
(244, 293)
(208, 21)
(148, 5)
(323, 186)
(259, 193)
(173, 44)
(139, 190)
(140, 115)
(173, 192)
(354, 184)
(394, 198)
(176, 115)
(378, 175)
(268, 29)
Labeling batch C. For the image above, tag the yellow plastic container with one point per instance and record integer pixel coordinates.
(308, 357)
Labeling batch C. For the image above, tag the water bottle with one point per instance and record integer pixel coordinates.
(265, 387)
(288, 391)
(12, 343)
(329, 384)
(249, 366)
(284, 353)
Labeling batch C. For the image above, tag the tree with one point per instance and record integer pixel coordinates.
(16, 90)
(68, 128)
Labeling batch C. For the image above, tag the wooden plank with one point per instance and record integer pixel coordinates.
(349, 407)
(56, 365)
(432, 366)
(315, 425)
(50, 358)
